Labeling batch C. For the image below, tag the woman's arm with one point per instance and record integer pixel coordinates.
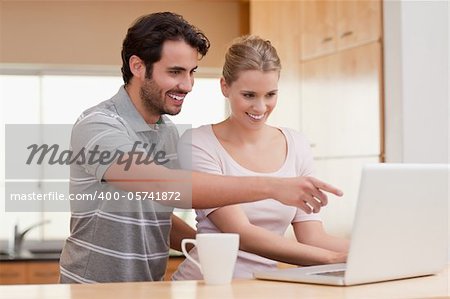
(313, 233)
(262, 242)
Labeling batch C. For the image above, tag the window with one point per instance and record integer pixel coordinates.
(30, 96)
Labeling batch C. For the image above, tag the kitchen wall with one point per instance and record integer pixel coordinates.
(91, 32)
(417, 108)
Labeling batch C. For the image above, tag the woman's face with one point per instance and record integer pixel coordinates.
(252, 97)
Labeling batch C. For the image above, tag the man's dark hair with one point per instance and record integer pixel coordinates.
(147, 35)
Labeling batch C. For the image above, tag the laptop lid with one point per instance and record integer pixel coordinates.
(400, 228)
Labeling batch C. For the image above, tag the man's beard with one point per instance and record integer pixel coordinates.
(153, 99)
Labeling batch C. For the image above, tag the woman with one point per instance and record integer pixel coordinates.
(244, 145)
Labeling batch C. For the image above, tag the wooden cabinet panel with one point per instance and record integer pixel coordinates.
(318, 23)
(13, 273)
(358, 22)
(29, 272)
(337, 73)
(43, 272)
(279, 23)
(341, 102)
(329, 26)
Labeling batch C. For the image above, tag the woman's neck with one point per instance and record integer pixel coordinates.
(233, 132)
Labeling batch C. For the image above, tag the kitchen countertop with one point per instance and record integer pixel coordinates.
(28, 257)
(435, 286)
(33, 250)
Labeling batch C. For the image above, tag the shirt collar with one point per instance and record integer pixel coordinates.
(127, 110)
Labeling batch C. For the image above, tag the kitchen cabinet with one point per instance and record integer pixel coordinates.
(46, 272)
(42, 272)
(357, 22)
(317, 21)
(330, 26)
(275, 21)
(13, 272)
(331, 54)
(341, 102)
(29, 272)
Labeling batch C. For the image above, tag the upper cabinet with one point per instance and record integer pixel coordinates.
(331, 52)
(275, 21)
(329, 26)
(358, 22)
(318, 19)
(341, 107)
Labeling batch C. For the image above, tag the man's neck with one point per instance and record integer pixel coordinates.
(134, 94)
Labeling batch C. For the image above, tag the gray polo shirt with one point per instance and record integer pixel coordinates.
(115, 239)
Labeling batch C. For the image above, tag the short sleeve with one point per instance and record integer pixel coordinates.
(305, 167)
(303, 154)
(197, 152)
(96, 134)
(301, 216)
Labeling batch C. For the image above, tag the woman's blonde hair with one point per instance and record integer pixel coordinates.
(248, 53)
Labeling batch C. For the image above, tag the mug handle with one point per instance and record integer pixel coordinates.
(186, 254)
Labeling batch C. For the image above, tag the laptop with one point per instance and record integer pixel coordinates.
(400, 229)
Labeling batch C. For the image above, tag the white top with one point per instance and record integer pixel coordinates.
(200, 150)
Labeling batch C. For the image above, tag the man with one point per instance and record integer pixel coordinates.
(123, 233)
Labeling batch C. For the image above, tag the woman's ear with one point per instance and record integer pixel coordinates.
(137, 67)
(224, 87)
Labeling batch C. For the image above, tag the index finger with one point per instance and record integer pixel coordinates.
(326, 187)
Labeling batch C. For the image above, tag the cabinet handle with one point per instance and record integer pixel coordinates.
(9, 274)
(347, 33)
(327, 39)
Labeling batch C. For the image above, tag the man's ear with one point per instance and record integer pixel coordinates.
(137, 67)
(224, 87)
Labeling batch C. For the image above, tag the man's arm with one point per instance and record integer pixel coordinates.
(202, 190)
(303, 192)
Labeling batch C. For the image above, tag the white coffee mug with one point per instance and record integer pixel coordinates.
(217, 253)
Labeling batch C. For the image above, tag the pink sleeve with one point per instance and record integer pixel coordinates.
(301, 216)
(305, 159)
(305, 163)
(197, 152)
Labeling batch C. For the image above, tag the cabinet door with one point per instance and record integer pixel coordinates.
(341, 102)
(43, 272)
(278, 22)
(12, 273)
(358, 22)
(318, 28)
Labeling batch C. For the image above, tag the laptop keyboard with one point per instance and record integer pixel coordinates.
(332, 273)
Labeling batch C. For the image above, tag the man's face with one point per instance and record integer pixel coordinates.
(172, 79)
